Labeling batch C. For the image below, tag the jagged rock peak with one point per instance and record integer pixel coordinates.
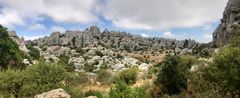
(230, 24)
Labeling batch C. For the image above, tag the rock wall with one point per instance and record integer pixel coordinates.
(230, 24)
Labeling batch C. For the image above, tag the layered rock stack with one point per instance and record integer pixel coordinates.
(230, 24)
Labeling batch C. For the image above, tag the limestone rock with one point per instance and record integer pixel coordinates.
(19, 41)
(230, 24)
(56, 93)
(54, 39)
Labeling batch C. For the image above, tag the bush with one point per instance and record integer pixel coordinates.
(226, 70)
(11, 82)
(31, 81)
(94, 93)
(10, 54)
(234, 42)
(129, 76)
(99, 53)
(33, 52)
(64, 61)
(78, 78)
(80, 50)
(89, 68)
(104, 76)
(187, 61)
(43, 77)
(122, 90)
(74, 92)
(171, 77)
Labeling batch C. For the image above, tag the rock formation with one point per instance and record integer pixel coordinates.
(56, 93)
(230, 24)
(113, 39)
(19, 41)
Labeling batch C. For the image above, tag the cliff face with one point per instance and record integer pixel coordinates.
(230, 24)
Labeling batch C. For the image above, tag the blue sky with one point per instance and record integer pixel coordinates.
(177, 19)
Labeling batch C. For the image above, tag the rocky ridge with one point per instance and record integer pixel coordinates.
(114, 39)
(230, 24)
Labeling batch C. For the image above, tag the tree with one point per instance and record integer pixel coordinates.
(171, 77)
(10, 54)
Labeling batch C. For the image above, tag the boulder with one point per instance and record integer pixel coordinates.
(54, 39)
(56, 93)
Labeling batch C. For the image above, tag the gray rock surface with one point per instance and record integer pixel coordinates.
(19, 41)
(112, 39)
(230, 24)
(56, 93)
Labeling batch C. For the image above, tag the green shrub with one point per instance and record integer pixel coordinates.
(171, 77)
(105, 66)
(89, 68)
(74, 92)
(226, 70)
(141, 92)
(129, 76)
(64, 61)
(11, 82)
(121, 90)
(10, 54)
(187, 61)
(104, 76)
(94, 93)
(80, 50)
(99, 53)
(78, 78)
(33, 52)
(43, 77)
(235, 42)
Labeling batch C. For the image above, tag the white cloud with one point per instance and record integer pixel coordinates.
(10, 18)
(168, 35)
(144, 35)
(66, 11)
(37, 27)
(57, 28)
(162, 14)
(32, 37)
(207, 33)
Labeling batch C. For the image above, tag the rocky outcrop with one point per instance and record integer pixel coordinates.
(19, 41)
(56, 93)
(230, 24)
(114, 39)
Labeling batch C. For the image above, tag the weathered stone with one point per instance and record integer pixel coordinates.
(229, 25)
(54, 39)
(56, 93)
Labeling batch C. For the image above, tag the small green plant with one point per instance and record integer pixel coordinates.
(104, 76)
(33, 52)
(64, 61)
(171, 77)
(89, 67)
(94, 93)
(129, 76)
(80, 50)
(99, 53)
